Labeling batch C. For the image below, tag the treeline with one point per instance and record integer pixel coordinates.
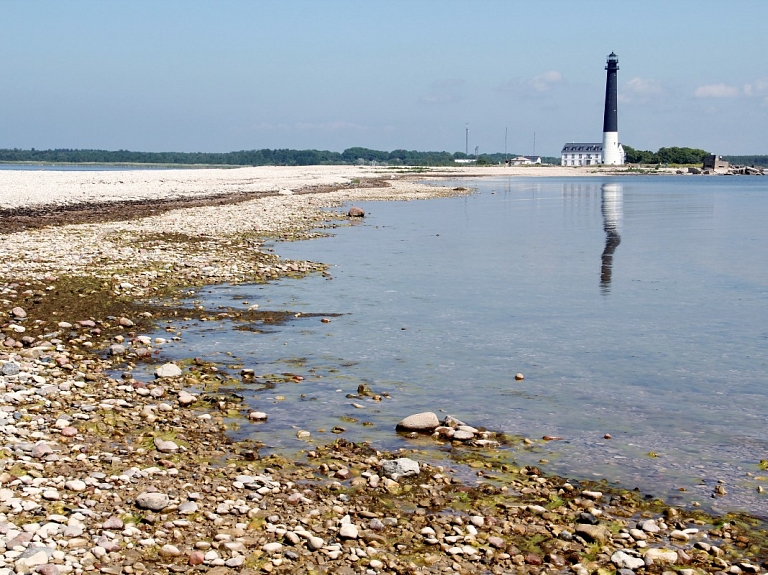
(265, 157)
(672, 155)
(756, 161)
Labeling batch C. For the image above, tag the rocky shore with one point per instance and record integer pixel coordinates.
(102, 472)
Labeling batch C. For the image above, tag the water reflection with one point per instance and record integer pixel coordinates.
(612, 196)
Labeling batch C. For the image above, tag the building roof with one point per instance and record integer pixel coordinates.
(582, 147)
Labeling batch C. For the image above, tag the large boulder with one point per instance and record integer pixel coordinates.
(425, 422)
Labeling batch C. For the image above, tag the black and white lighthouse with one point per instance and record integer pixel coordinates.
(613, 153)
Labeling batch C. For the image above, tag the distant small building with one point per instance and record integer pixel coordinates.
(715, 162)
(524, 160)
(585, 154)
(465, 161)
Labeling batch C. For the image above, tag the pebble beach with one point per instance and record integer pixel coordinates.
(102, 472)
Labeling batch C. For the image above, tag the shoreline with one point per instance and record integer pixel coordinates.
(116, 475)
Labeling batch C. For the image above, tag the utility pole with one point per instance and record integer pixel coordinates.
(505, 145)
(466, 141)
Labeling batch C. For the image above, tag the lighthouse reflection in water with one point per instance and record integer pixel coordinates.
(612, 198)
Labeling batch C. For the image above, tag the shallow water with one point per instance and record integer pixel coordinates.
(634, 306)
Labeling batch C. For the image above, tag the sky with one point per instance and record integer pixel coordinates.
(524, 76)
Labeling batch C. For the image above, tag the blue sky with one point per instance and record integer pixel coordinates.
(200, 75)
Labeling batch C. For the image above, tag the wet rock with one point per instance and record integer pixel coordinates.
(424, 422)
(355, 212)
(168, 370)
(257, 416)
(117, 349)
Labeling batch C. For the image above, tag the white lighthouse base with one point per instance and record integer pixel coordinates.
(613, 152)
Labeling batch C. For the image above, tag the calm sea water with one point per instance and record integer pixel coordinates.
(634, 306)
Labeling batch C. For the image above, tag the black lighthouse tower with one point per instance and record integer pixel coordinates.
(613, 153)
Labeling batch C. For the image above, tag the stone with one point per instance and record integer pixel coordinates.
(40, 450)
(272, 548)
(186, 398)
(19, 312)
(188, 508)
(153, 501)
(402, 467)
(650, 526)
(116, 349)
(168, 370)
(660, 556)
(196, 558)
(623, 560)
(355, 212)
(348, 531)
(315, 543)
(9, 368)
(75, 485)
(425, 422)
(679, 535)
(169, 551)
(164, 446)
(593, 533)
(257, 416)
(113, 522)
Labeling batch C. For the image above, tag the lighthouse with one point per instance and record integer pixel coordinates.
(613, 152)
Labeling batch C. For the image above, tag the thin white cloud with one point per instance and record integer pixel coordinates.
(532, 87)
(546, 81)
(640, 90)
(716, 91)
(644, 87)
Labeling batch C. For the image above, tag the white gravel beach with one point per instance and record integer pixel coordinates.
(28, 188)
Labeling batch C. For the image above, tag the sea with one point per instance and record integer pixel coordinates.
(635, 307)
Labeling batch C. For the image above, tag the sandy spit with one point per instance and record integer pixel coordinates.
(22, 188)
